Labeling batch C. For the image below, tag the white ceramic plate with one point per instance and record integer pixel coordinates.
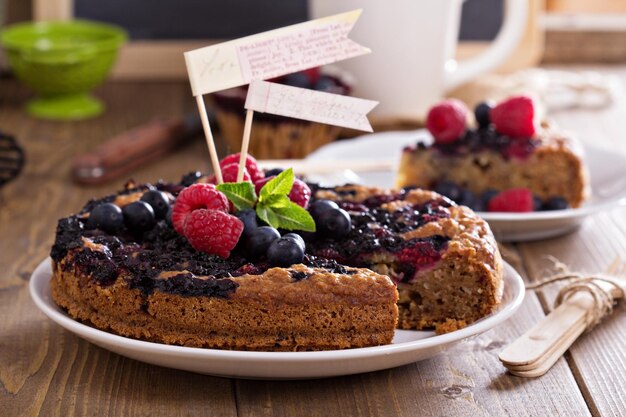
(607, 170)
(407, 346)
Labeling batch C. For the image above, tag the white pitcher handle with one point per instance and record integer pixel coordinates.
(513, 26)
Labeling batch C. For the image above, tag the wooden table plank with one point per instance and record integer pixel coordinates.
(597, 358)
(45, 370)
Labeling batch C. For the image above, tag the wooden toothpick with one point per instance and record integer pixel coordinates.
(209, 138)
(247, 127)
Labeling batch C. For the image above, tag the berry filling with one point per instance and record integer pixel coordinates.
(512, 200)
(484, 139)
(154, 256)
(375, 233)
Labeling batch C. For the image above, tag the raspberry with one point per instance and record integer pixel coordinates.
(300, 192)
(213, 231)
(446, 121)
(251, 165)
(513, 200)
(515, 117)
(422, 253)
(313, 74)
(260, 183)
(229, 173)
(194, 197)
(520, 148)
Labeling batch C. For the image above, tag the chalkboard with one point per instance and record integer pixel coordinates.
(162, 30)
(221, 19)
(193, 19)
(481, 19)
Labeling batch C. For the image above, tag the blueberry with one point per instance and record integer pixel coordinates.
(298, 79)
(326, 83)
(481, 112)
(259, 240)
(470, 200)
(556, 203)
(334, 223)
(295, 237)
(248, 217)
(449, 189)
(107, 217)
(273, 172)
(139, 216)
(308, 236)
(537, 203)
(285, 252)
(487, 195)
(168, 217)
(158, 201)
(190, 178)
(474, 140)
(319, 206)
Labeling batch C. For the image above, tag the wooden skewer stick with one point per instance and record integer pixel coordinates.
(247, 128)
(209, 138)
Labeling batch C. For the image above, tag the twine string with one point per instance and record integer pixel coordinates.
(603, 299)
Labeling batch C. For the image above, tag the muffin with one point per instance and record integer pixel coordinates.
(279, 137)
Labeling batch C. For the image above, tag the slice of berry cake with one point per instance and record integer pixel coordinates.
(534, 167)
(443, 258)
(296, 267)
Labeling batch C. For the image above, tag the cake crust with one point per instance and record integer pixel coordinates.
(268, 312)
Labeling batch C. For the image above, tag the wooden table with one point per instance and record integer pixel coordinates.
(45, 370)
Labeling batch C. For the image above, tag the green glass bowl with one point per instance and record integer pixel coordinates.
(63, 62)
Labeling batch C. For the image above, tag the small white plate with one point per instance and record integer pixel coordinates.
(407, 346)
(607, 170)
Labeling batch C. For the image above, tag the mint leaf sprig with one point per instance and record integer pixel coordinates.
(273, 205)
(241, 194)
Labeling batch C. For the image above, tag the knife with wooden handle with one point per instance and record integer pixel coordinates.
(12, 158)
(128, 150)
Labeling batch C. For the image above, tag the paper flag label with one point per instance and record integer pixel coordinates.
(316, 106)
(273, 53)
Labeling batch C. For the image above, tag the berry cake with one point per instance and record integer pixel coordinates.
(533, 167)
(183, 264)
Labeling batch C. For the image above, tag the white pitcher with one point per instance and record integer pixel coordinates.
(413, 44)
